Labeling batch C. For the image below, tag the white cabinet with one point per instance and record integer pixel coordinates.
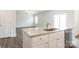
(7, 23)
(57, 40)
(52, 40)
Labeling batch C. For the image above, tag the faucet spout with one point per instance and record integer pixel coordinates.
(47, 25)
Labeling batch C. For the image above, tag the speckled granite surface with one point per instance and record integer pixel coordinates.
(37, 31)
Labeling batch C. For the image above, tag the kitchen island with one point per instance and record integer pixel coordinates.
(37, 37)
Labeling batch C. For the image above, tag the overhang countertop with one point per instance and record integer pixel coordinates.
(37, 31)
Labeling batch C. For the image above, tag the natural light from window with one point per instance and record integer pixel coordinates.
(60, 21)
(36, 19)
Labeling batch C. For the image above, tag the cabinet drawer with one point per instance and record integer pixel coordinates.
(43, 38)
(39, 43)
(42, 45)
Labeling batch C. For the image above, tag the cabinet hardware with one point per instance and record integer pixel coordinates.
(46, 42)
(58, 39)
(40, 38)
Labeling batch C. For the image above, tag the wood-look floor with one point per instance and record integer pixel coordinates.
(10, 42)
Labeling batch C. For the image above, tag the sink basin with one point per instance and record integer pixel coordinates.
(50, 29)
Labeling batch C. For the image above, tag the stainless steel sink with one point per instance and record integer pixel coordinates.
(50, 29)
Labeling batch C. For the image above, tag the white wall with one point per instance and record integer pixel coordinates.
(48, 16)
(45, 17)
(23, 20)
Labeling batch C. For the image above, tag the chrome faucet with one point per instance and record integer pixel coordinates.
(47, 25)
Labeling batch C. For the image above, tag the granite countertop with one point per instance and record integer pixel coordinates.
(37, 31)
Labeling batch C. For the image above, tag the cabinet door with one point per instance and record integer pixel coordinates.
(56, 40)
(60, 40)
(52, 40)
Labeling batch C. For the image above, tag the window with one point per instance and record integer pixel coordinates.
(60, 21)
(36, 19)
